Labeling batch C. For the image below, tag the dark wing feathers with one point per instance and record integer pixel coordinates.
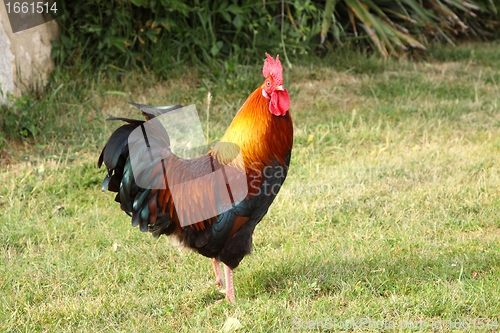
(116, 146)
(139, 199)
(221, 228)
(152, 111)
(130, 121)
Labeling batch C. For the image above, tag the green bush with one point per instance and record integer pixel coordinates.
(160, 35)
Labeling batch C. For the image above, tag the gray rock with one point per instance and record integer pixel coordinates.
(24, 56)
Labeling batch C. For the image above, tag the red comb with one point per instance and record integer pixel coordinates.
(274, 68)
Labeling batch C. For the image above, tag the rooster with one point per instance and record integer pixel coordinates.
(261, 134)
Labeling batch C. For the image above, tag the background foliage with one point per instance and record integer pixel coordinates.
(161, 34)
(221, 40)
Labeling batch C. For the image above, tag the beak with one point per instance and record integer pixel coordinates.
(280, 88)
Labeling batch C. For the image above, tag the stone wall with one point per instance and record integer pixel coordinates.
(24, 56)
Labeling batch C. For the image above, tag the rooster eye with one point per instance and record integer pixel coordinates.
(268, 83)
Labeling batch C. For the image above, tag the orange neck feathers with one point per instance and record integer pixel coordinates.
(262, 137)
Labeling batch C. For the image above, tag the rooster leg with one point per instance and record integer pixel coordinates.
(229, 281)
(219, 282)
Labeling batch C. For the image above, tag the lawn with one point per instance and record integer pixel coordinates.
(389, 212)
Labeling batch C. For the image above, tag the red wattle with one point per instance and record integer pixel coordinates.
(280, 103)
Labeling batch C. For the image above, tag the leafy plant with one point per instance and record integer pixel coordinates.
(18, 120)
(393, 27)
(160, 35)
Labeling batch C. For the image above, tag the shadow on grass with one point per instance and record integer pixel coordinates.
(436, 275)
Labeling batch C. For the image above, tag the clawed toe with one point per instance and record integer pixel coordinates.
(219, 284)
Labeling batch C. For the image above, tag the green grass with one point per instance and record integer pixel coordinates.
(389, 212)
